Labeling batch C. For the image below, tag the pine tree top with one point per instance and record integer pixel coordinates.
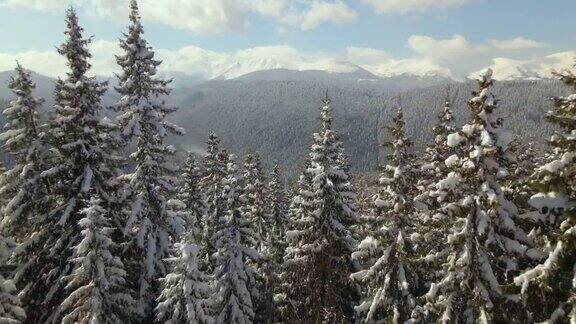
(213, 148)
(275, 174)
(20, 130)
(136, 26)
(75, 47)
(253, 168)
(398, 141)
(138, 81)
(21, 83)
(445, 119)
(326, 115)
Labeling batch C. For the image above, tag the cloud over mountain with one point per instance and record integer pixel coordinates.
(453, 57)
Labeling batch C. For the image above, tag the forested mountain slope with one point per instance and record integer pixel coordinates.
(275, 118)
(274, 112)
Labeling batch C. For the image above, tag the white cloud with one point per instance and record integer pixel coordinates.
(463, 56)
(202, 16)
(52, 64)
(210, 16)
(34, 4)
(517, 43)
(444, 48)
(379, 63)
(454, 57)
(47, 63)
(194, 60)
(405, 6)
(322, 12)
(189, 60)
(506, 68)
(103, 57)
(366, 55)
(458, 45)
(271, 8)
(557, 62)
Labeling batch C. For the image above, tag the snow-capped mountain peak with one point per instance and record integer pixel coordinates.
(240, 68)
(243, 67)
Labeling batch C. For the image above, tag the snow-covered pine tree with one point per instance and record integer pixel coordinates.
(439, 151)
(254, 199)
(11, 311)
(550, 288)
(214, 167)
(236, 277)
(97, 288)
(186, 290)
(275, 245)
(255, 209)
(318, 262)
(278, 211)
(21, 189)
(154, 220)
(519, 187)
(434, 161)
(390, 283)
(302, 197)
(20, 186)
(435, 166)
(300, 206)
(191, 195)
(485, 244)
(81, 165)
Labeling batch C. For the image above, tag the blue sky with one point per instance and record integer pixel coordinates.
(459, 36)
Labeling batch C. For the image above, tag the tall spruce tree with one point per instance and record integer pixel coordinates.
(435, 225)
(82, 165)
(255, 209)
(21, 189)
(153, 223)
(214, 169)
(254, 198)
(434, 161)
(388, 255)
(318, 259)
(236, 277)
(301, 202)
(485, 244)
(23, 193)
(549, 289)
(190, 193)
(278, 214)
(21, 186)
(186, 290)
(436, 154)
(98, 292)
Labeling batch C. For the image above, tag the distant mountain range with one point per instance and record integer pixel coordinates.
(275, 111)
(210, 66)
(331, 71)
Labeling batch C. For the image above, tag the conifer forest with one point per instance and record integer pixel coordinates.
(100, 222)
